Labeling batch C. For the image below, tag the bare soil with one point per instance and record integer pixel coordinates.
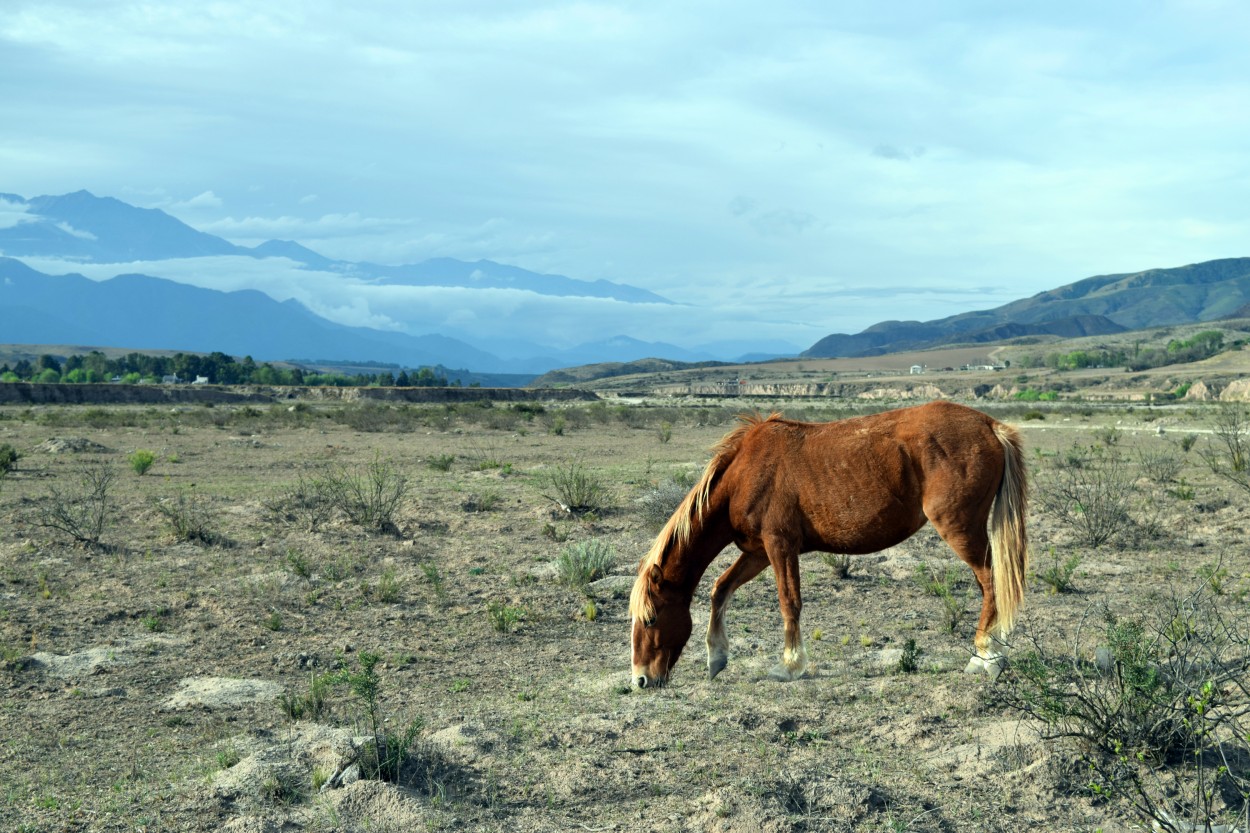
(142, 677)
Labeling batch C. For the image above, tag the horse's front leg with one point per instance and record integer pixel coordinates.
(746, 567)
(785, 561)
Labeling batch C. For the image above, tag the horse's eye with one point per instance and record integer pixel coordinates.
(646, 623)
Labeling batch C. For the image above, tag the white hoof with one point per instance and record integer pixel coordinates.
(785, 674)
(992, 665)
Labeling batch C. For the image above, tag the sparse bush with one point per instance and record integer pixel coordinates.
(1109, 436)
(657, 504)
(583, 562)
(1156, 708)
(388, 587)
(308, 503)
(484, 500)
(370, 498)
(665, 432)
(441, 462)
(83, 510)
(187, 517)
(141, 459)
(1160, 464)
(840, 563)
(576, 490)
(1228, 453)
(313, 704)
(1091, 494)
(434, 577)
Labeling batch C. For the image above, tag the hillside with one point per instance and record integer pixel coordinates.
(1100, 305)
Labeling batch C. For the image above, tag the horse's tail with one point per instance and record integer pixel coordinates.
(680, 525)
(1008, 538)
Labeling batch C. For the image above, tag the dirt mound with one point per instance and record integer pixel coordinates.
(71, 445)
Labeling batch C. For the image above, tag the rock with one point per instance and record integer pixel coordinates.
(221, 692)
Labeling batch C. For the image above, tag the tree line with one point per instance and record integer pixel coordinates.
(1136, 357)
(217, 368)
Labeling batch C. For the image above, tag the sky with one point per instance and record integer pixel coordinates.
(781, 171)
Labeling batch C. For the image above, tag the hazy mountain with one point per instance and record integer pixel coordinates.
(81, 226)
(143, 312)
(1094, 306)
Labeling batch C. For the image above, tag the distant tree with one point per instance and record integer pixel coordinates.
(402, 380)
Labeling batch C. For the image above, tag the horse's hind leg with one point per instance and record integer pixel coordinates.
(973, 546)
(746, 567)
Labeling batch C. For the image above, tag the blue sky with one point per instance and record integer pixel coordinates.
(787, 169)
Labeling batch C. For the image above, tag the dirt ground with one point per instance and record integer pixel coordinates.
(144, 679)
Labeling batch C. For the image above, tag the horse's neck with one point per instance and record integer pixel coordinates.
(686, 563)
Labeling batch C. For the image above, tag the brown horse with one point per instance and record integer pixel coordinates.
(778, 488)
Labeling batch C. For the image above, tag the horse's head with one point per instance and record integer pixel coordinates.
(661, 628)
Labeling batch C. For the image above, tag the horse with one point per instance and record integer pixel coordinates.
(778, 488)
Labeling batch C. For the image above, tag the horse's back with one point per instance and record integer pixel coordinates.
(865, 483)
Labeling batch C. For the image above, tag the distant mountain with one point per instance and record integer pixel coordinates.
(81, 226)
(152, 313)
(1100, 305)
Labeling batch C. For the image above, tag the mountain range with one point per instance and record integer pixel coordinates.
(142, 311)
(148, 312)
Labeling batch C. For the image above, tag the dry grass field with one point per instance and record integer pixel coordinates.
(283, 586)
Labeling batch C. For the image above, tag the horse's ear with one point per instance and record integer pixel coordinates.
(654, 576)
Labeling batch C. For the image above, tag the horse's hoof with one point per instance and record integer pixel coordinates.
(991, 666)
(715, 666)
(783, 674)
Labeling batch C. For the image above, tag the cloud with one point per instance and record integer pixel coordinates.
(207, 199)
(13, 214)
(68, 229)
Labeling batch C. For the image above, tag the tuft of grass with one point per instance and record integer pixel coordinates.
(441, 462)
(582, 562)
(1058, 576)
(504, 617)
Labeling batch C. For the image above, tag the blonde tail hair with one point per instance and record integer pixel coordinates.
(1008, 538)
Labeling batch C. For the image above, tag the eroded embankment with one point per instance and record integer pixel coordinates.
(35, 393)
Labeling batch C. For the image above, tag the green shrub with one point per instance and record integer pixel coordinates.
(1156, 709)
(8, 458)
(141, 460)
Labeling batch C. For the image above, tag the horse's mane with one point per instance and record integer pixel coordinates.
(680, 525)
